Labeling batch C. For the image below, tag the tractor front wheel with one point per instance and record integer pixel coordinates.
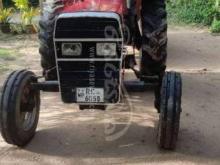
(170, 110)
(19, 108)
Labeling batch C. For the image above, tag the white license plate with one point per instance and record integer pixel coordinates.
(90, 95)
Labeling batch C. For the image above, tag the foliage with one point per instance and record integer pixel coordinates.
(21, 4)
(27, 12)
(192, 11)
(5, 15)
(10, 3)
(28, 15)
(204, 12)
(215, 27)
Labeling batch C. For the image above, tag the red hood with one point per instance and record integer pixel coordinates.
(117, 6)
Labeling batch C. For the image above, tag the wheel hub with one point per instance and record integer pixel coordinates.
(27, 107)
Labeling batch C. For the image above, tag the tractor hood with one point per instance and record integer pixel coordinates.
(117, 6)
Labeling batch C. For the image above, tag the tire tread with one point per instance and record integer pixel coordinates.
(171, 92)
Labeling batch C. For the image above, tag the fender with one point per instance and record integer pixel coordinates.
(117, 6)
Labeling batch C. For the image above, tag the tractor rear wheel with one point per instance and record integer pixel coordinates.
(19, 108)
(154, 37)
(46, 50)
(170, 110)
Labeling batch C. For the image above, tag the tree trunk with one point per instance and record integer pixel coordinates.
(1, 4)
(217, 3)
(41, 5)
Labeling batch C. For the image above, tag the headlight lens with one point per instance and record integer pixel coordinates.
(71, 49)
(106, 49)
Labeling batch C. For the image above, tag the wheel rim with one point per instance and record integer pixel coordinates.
(28, 108)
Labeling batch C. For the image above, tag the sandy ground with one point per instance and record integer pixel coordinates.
(66, 135)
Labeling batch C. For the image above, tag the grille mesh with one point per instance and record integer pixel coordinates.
(87, 28)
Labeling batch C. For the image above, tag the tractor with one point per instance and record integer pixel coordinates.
(84, 52)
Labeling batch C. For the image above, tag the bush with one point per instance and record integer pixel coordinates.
(193, 11)
(203, 12)
(10, 3)
(215, 28)
(5, 15)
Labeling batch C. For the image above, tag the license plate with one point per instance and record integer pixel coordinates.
(90, 95)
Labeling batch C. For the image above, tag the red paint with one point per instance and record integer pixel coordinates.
(117, 6)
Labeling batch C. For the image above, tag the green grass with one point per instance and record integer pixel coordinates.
(3, 68)
(6, 55)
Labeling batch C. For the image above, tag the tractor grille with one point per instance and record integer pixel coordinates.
(87, 28)
(76, 74)
(89, 69)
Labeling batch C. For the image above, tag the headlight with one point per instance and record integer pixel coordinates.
(71, 49)
(106, 49)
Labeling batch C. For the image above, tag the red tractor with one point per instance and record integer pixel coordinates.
(83, 55)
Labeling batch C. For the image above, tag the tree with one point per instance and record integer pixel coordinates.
(41, 5)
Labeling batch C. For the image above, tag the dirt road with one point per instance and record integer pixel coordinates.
(68, 136)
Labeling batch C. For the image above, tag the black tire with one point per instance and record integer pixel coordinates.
(46, 41)
(170, 110)
(46, 50)
(154, 38)
(19, 108)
